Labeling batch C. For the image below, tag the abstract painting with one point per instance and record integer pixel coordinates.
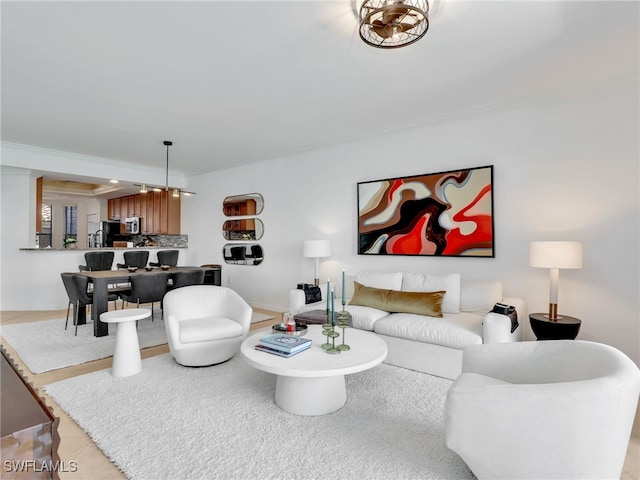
(446, 214)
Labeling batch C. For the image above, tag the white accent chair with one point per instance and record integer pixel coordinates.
(560, 409)
(205, 324)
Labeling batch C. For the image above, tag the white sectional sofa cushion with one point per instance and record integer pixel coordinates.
(453, 330)
(429, 344)
(388, 281)
(415, 282)
(363, 318)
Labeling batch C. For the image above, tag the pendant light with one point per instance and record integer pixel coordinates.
(176, 191)
(144, 188)
(167, 143)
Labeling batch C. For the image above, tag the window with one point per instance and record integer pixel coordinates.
(70, 222)
(44, 235)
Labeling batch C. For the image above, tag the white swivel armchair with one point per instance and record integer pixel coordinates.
(205, 324)
(558, 409)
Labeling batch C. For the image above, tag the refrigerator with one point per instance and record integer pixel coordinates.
(108, 231)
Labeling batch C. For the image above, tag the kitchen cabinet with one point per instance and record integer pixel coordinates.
(160, 211)
(113, 209)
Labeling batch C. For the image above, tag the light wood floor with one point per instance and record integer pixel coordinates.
(92, 464)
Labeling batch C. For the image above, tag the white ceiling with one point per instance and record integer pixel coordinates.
(232, 82)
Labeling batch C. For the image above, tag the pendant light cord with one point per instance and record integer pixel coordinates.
(166, 180)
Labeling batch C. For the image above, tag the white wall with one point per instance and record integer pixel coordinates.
(566, 171)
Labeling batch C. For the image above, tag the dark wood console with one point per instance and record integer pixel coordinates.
(28, 428)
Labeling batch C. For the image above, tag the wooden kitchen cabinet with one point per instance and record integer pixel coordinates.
(170, 213)
(113, 209)
(160, 211)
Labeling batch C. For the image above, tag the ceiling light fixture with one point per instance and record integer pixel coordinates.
(167, 144)
(393, 23)
(176, 191)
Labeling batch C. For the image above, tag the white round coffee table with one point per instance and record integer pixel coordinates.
(126, 357)
(312, 382)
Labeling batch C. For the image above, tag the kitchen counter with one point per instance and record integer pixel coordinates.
(160, 241)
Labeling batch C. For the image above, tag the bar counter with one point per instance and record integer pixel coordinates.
(97, 249)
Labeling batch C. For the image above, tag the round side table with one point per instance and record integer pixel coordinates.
(564, 328)
(126, 357)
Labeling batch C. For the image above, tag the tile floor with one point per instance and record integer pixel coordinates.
(92, 464)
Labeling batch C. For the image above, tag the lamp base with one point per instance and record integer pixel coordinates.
(553, 312)
(543, 328)
(316, 282)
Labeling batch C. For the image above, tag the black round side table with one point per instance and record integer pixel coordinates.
(565, 328)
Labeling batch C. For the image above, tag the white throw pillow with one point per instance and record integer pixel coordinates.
(416, 282)
(480, 295)
(387, 281)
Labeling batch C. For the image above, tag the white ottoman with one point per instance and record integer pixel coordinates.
(126, 357)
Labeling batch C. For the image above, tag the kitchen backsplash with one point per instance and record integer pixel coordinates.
(177, 241)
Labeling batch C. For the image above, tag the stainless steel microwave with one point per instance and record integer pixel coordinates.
(132, 225)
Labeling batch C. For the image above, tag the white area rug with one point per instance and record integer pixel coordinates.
(46, 345)
(221, 422)
(260, 317)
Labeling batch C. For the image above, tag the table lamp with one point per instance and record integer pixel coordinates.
(554, 256)
(316, 249)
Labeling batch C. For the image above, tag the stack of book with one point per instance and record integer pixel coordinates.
(283, 345)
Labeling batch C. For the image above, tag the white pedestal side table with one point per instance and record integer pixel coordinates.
(313, 382)
(126, 357)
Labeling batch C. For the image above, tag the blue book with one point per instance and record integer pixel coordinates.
(285, 343)
(263, 348)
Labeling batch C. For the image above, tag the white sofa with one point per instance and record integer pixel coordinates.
(555, 409)
(424, 343)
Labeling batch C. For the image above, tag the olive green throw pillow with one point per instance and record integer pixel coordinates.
(421, 303)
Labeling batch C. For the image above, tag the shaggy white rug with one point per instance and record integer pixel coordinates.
(46, 345)
(221, 422)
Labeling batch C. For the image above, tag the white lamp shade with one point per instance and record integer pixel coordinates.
(316, 248)
(555, 254)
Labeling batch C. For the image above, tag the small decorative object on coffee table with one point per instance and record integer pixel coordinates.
(300, 329)
(343, 322)
(330, 331)
(563, 328)
(329, 328)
